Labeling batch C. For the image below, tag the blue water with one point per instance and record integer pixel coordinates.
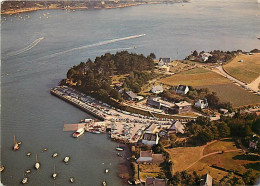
(36, 117)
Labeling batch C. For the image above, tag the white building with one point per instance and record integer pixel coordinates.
(205, 56)
(150, 139)
(202, 103)
(157, 89)
(182, 89)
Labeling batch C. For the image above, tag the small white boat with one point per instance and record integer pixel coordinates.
(28, 171)
(104, 183)
(66, 159)
(25, 180)
(71, 179)
(55, 155)
(78, 133)
(28, 154)
(106, 171)
(54, 175)
(37, 164)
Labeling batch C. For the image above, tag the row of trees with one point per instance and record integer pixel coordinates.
(217, 56)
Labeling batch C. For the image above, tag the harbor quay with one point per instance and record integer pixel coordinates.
(122, 125)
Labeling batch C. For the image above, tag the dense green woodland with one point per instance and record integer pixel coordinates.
(95, 76)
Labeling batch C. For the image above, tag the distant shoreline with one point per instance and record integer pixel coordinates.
(23, 10)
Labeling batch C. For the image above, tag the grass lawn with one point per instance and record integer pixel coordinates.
(182, 157)
(227, 144)
(149, 170)
(246, 71)
(195, 77)
(225, 89)
(234, 94)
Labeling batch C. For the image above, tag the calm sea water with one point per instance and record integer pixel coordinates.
(29, 70)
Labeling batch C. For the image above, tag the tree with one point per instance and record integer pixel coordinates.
(223, 129)
(152, 55)
(195, 53)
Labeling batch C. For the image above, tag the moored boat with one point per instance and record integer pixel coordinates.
(16, 145)
(54, 175)
(55, 155)
(25, 180)
(66, 159)
(2, 168)
(78, 133)
(37, 164)
(71, 179)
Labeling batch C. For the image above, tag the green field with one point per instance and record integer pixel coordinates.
(195, 77)
(225, 89)
(234, 94)
(246, 71)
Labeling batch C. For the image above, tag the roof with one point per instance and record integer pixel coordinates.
(183, 104)
(149, 137)
(159, 100)
(155, 182)
(151, 128)
(157, 158)
(181, 87)
(147, 153)
(206, 180)
(157, 88)
(165, 60)
(177, 126)
(131, 94)
(206, 54)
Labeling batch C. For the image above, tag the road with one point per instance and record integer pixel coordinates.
(253, 86)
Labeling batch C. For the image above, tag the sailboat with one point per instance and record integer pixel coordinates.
(37, 164)
(16, 146)
(54, 175)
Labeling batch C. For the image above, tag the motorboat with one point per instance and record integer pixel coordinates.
(106, 171)
(119, 148)
(28, 171)
(71, 179)
(55, 155)
(28, 154)
(66, 159)
(78, 133)
(25, 180)
(104, 183)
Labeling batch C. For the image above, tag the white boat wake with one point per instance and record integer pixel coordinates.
(29, 47)
(95, 44)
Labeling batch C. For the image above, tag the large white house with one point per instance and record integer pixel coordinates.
(150, 139)
(182, 89)
(205, 56)
(157, 89)
(202, 103)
